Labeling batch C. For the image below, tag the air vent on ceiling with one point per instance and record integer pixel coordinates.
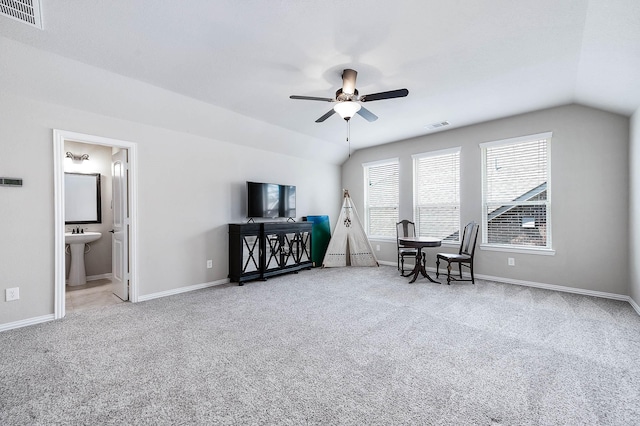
(437, 125)
(25, 11)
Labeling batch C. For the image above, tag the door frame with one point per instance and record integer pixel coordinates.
(59, 138)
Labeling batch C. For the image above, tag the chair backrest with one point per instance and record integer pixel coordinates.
(469, 237)
(405, 228)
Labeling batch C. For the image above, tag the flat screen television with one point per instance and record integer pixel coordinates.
(270, 200)
(288, 201)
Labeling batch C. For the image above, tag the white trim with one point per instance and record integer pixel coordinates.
(518, 249)
(438, 153)
(181, 290)
(59, 137)
(26, 322)
(554, 287)
(634, 305)
(518, 139)
(133, 221)
(59, 229)
(548, 250)
(549, 196)
(106, 276)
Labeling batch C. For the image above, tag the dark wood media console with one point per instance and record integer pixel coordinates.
(261, 250)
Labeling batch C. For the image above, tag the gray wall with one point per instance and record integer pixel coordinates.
(194, 160)
(589, 204)
(634, 162)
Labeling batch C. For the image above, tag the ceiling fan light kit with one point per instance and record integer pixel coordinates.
(346, 109)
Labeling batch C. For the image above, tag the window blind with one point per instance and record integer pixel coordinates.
(381, 198)
(437, 194)
(516, 193)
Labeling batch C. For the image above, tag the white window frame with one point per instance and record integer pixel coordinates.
(366, 167)
(485, 245)
(439, 153)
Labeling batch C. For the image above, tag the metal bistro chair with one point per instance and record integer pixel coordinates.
(464, 256)
(405, 228)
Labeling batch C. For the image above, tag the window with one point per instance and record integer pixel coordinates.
(381, 198)
(516, 192)
(436, 196)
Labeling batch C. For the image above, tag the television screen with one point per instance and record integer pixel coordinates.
(263, 199)
(270, 200)
(288, 201)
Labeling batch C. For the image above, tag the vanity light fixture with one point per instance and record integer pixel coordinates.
(76, 157)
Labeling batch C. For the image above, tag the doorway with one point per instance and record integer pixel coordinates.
(130, 278)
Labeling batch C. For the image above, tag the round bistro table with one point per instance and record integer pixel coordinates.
(420, 266)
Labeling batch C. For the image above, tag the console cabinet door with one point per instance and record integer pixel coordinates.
(244, 252)
(250, 254)
(297, 247)
(273, 255)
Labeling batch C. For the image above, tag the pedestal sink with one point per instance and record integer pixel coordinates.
(77, 273)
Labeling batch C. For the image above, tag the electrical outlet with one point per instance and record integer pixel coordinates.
(377, 247)
(209, 264)
(12, 294)
(511, 261)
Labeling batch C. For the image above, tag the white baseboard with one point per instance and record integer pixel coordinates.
(181, 290)
(553, 287)
(51, 317)
(605, 295)
(107, 276)
(26, 322)
(634, 305)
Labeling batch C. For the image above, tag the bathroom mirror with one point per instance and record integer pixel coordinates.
(82, 198)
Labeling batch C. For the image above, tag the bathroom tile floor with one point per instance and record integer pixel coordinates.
(94, 294)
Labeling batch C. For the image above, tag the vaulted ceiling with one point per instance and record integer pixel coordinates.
(463, 61)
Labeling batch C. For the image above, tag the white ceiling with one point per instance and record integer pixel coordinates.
(462, 61)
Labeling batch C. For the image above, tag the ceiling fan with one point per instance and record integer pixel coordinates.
(347, 99)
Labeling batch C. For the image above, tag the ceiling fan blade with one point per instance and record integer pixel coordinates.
(400, 93)
(367, 115)
(349, 81)
(327, 115)
(312, 98)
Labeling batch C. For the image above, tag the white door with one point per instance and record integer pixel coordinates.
(120, 243)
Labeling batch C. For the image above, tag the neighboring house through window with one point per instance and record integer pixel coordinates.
(516, 192)
(381, 187)
(436, 198)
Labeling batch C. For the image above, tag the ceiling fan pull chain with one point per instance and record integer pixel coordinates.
(349, 136)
